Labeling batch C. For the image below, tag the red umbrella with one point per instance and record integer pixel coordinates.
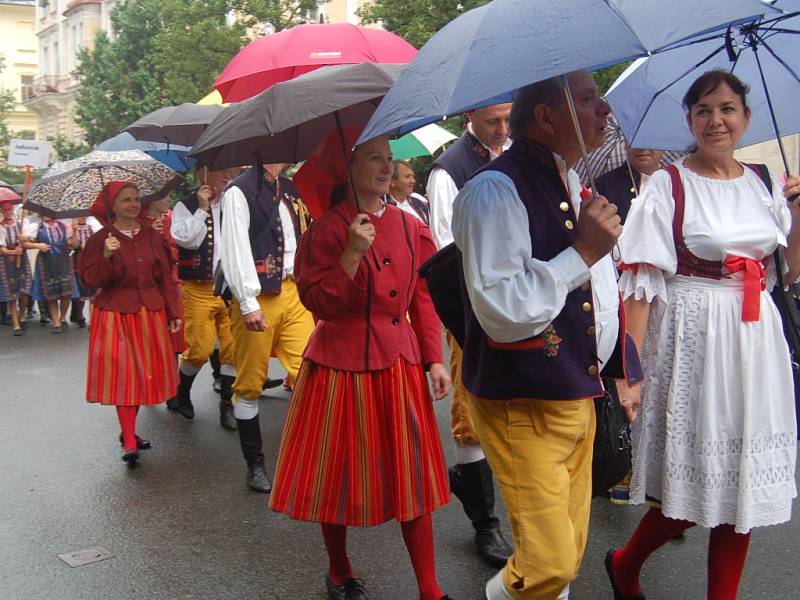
(7, 194)
(292, 52)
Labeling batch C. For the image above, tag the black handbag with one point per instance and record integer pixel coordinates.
(612, 441)
(442, 273)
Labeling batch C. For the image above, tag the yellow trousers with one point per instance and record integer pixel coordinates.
(289, 325)
(206, 321)
(541, 454)
(461, 426)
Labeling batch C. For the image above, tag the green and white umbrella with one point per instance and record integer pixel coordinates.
(421, 142)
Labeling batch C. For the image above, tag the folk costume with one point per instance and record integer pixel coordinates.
(54, 275)
(715, 439)
(131, 359)
(83, 231)
(470, 478)
(360, 445)
(540, 328)
(413, 204)
(15, 271)
(620, 186)
(262, 221)
(197, 235)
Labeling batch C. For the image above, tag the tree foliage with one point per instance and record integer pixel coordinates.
(8, 102)
(279, 14)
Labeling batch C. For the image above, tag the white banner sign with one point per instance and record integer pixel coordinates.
(23, 153)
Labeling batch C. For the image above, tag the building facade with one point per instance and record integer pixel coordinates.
(19, 51)
(63, 28)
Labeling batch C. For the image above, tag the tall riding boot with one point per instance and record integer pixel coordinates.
(250, 439)
(226, 418)
(183, 399)
(472, 484)
(215, 370)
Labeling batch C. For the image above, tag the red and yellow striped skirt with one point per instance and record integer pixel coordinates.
(360, 449)
(131, 360)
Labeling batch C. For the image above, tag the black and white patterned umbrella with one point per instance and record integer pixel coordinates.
(68, 188)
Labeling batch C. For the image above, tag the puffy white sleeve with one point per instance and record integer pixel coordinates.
(646, 246)
(237, 258)
(442, 191)
(514, 296)
(187, 229)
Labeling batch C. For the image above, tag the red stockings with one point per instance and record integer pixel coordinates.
(335, 537)
(127, 422)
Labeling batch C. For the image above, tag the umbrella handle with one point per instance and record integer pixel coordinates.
(340, 130)
(574, 116)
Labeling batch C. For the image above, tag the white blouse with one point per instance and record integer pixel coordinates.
(722, 217)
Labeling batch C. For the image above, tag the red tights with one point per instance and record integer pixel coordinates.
(127, 422)
(418, 537)
(727, 552)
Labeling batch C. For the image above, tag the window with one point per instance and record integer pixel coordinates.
(26, 87)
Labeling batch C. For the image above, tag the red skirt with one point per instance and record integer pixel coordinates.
(131, 360)
(360, 448)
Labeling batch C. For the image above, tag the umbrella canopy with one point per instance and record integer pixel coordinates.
(287, 121)
(213, 97)
(483, 55)
(612, 153)
(180, 125)
(422, 142)
(8, 194)
(285, 55)
(174, 156)
(68, 188)
(647, 97)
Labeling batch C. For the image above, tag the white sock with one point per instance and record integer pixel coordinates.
(244, 409)
(496, 589)
(468, 453)
(564, 595)
(188, 368)
(227, 370)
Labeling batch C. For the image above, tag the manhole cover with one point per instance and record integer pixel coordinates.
(85, 557)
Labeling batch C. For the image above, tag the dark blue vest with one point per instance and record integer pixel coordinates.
(617, 187)
(463, 158)
(266, 232)
(197, 264)
(561, 363)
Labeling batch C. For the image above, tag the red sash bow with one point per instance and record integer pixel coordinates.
(754, 283)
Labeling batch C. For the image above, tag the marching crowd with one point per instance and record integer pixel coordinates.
(560, 291)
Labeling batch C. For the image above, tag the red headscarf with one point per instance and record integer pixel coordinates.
(101, 209)
(324, 170)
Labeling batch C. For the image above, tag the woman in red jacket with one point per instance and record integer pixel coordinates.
(131, 360)
(360, 445)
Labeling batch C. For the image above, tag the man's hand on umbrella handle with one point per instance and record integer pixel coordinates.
(111, 245)
(630, 398)
(254, 321)
(791, 191)
(174, 325)
(205, 194)
(599, 228)
(441, 380)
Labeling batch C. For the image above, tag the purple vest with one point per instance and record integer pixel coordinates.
(463, 158)
(561, 363)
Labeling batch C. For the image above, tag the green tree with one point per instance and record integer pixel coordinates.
(67, 150)
(280, 14)
(8, 102)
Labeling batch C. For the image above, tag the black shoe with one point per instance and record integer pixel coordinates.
(472, 484)
(141, 443)
(56, 329)
(18, 332)
(272, 383)
(81, 323)
(226, 418)
(257, 479)
(130, 456)
(182, 399)
(172, 403)
(351, 589)
(610, 570)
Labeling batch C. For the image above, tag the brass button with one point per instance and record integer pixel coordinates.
(586, 307)
(564, 207)
(590, 330)
(633, 190)
(585, 286)
(569, 224)
(592, 370)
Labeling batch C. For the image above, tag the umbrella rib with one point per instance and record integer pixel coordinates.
(779, 59)
(669, 85)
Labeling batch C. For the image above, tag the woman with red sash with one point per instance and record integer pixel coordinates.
(360, 445)
(131, 359)
(715, 438)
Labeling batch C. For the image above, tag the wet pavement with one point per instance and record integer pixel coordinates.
(182, 524)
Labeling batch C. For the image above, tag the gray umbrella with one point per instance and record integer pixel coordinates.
(180, 125)
(287, 121)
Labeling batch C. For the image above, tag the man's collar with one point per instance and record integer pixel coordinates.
(481, 149)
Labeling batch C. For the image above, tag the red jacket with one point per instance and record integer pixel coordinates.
(138, 274)
(364, 322)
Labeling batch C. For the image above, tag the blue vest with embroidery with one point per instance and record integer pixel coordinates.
(197, 264)
(463, 158)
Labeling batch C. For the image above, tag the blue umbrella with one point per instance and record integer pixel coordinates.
(764, 53)
(480, 57)
(175, 157)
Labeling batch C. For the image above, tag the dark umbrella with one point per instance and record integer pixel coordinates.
(180, 125)
(172, 155)
(287, 121)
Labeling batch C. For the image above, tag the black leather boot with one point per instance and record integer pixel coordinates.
(226, 418)
(473, 485)
(250, 439)
(215, 370)
(183, 399)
